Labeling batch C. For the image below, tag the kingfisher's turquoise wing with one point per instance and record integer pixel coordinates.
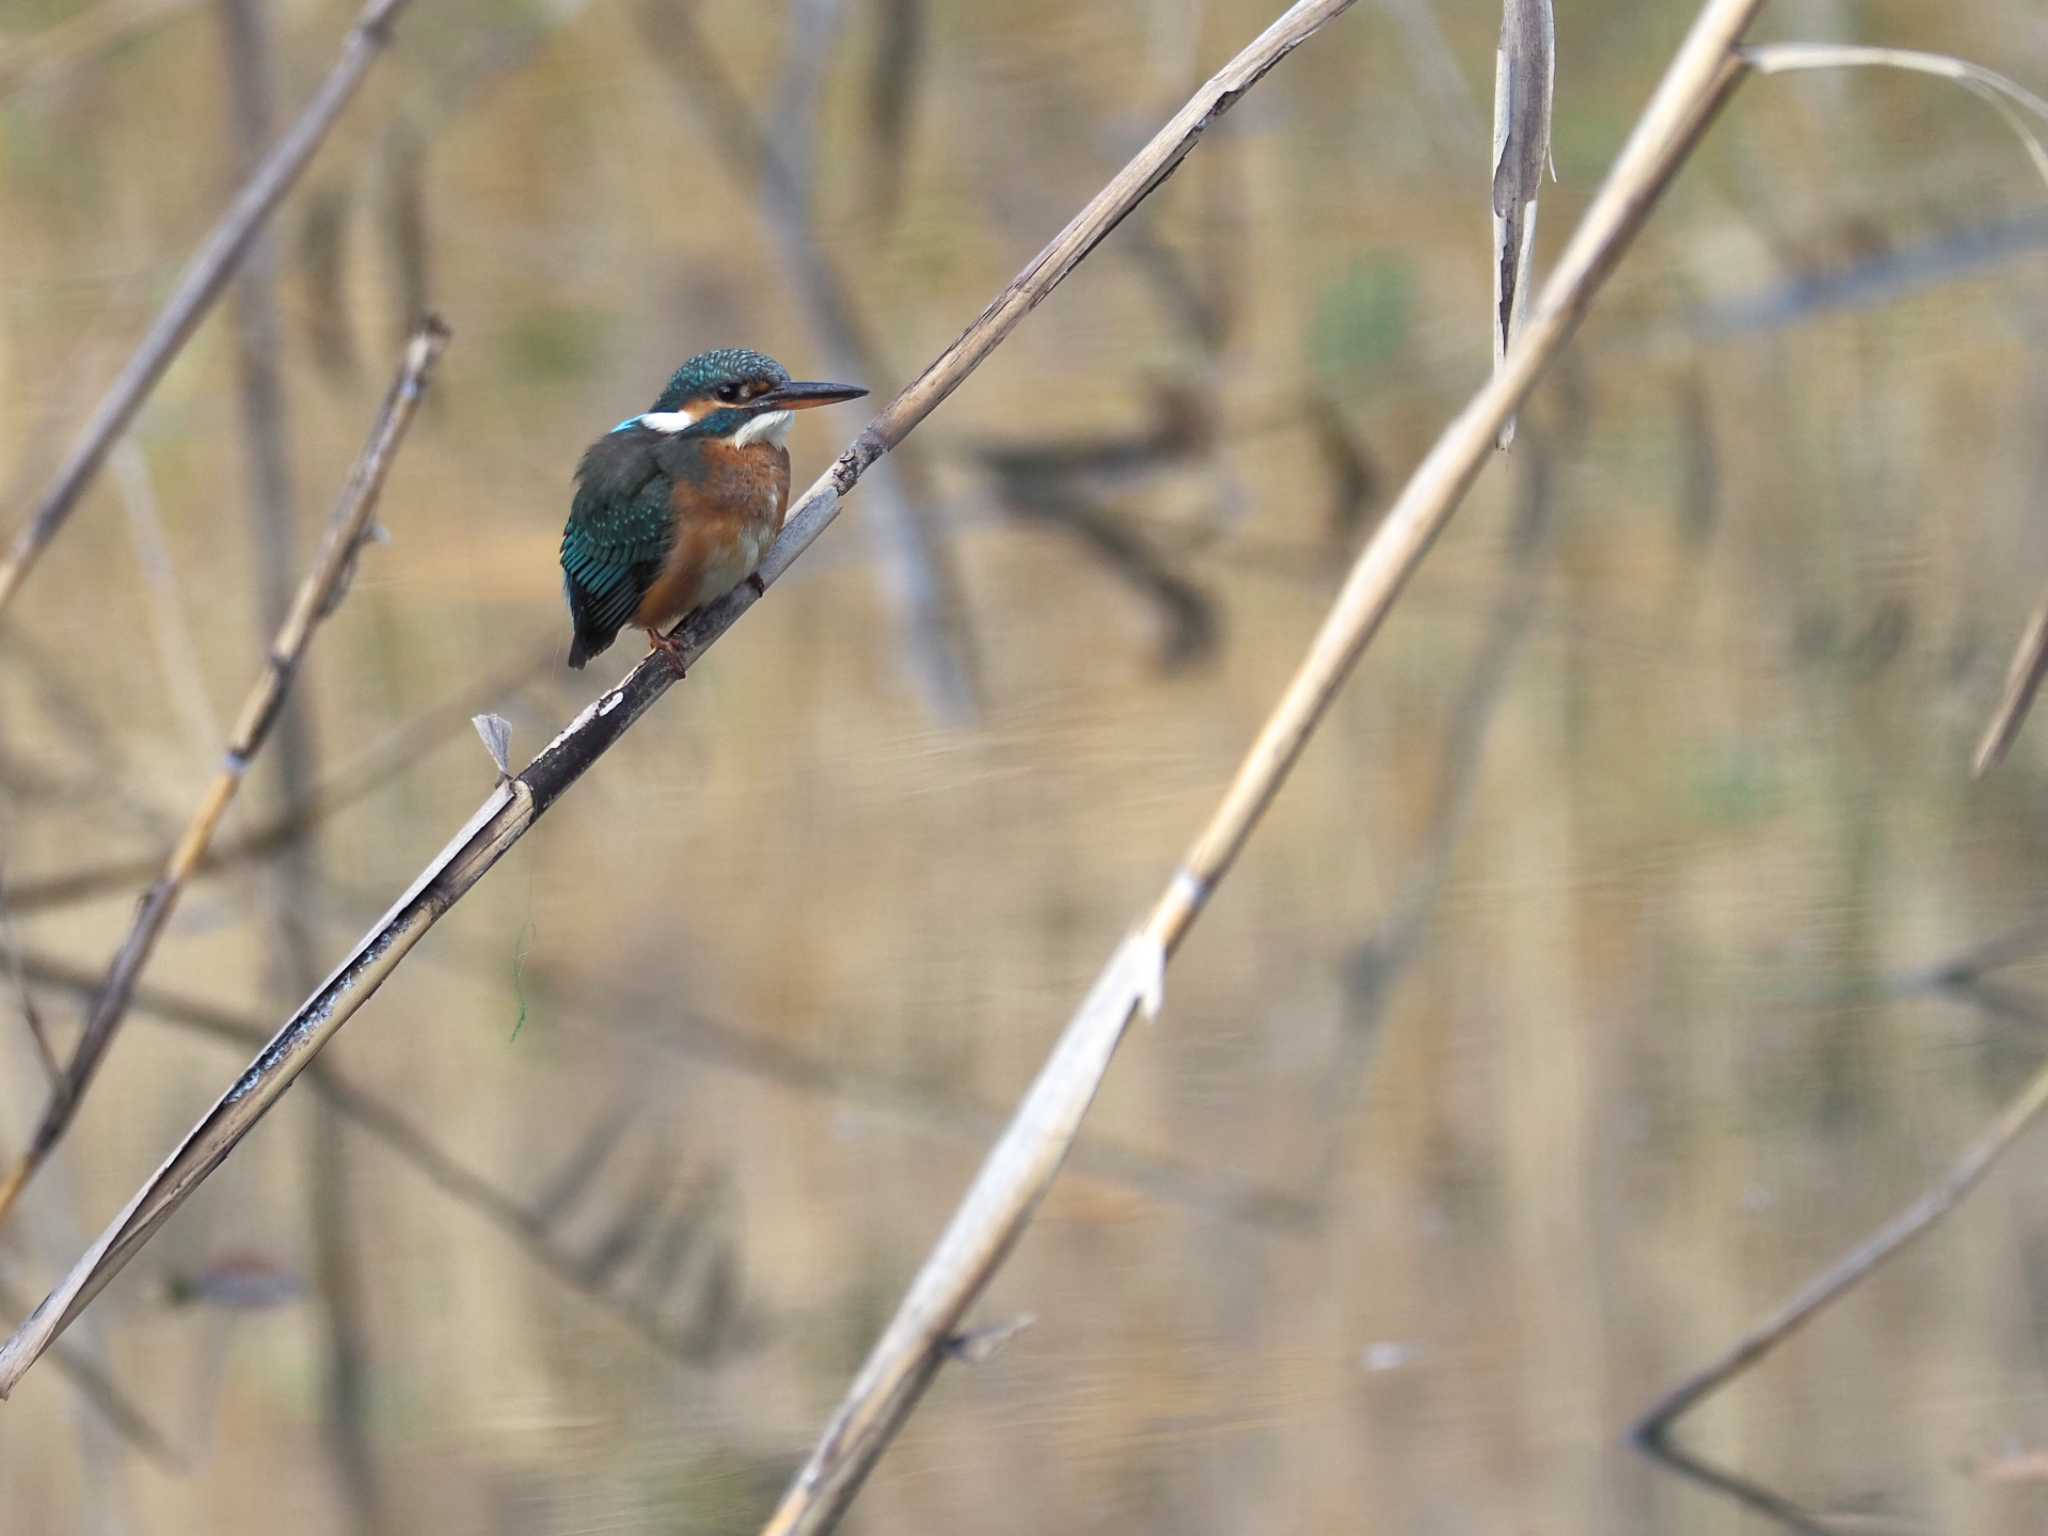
(616, 539)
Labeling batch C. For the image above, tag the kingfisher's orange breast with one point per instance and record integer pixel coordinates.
(725, 520)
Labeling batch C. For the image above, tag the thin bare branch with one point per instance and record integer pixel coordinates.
(201, 283)
(315, 597)
(511, 809)
(1652, 1432)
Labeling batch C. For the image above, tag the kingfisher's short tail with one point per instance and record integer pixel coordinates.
(586, 645)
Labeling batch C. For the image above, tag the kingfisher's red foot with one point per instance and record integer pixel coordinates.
(670, 649)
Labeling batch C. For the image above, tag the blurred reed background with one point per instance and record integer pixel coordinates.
(1543, 1038)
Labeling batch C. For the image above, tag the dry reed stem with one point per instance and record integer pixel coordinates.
(1024, 1161)
(316, 596)
(512, 808)
(1652, 1431)
(2007, 97)
(204, 279)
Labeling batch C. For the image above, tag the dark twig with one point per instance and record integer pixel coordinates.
(936, 632)
(1652, 1432)
(1191, 623)
(198, 287)
(1065, 482)
(512, 808)
(259, 714)
(1752, 1496)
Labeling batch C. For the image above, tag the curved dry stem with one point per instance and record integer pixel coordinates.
(2011, 100)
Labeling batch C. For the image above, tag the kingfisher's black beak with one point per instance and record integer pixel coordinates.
(801, 397)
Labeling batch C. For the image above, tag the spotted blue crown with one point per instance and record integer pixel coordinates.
(708, 369)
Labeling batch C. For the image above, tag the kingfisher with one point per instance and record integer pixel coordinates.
(676, 506)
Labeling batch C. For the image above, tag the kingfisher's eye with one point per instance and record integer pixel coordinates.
(729, 393)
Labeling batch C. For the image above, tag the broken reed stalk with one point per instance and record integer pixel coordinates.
(1524, 82)
(204, 279)
(1022, 1164)
(317, 595)
(511, 809)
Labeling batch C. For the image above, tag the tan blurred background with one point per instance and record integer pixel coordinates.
(1541, 1039)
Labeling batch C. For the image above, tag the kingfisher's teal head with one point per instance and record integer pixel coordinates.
(736, 394)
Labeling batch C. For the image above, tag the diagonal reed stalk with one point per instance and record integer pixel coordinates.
(511, 810)
(316, 597)
(1021, 1167)
(204, 279)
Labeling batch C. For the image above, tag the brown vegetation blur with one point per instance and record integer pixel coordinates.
(1529, 1054)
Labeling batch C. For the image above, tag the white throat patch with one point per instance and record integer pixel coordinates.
(768, 427)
